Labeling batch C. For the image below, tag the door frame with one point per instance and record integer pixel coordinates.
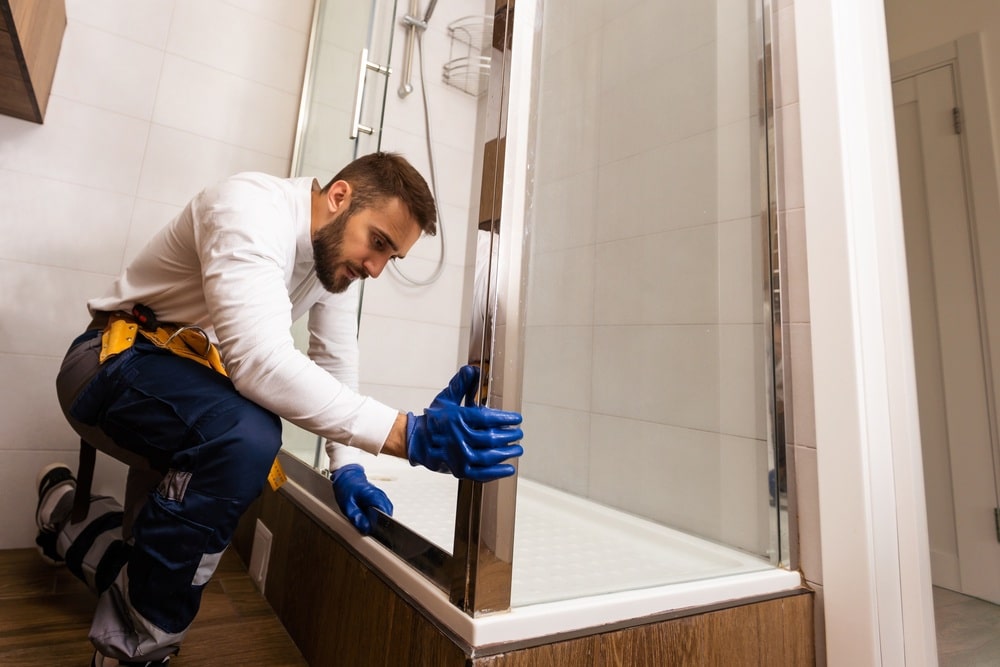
(877, 595)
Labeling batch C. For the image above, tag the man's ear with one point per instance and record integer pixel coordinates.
(338, 195)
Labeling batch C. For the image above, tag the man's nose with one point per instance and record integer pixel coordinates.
(374, 266)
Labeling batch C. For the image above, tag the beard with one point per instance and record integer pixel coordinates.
(327, 253)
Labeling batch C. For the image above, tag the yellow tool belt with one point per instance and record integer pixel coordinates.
(186, 341)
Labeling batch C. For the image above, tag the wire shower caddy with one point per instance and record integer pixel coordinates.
(468, 65)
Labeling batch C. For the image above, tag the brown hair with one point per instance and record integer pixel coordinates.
(377, 177)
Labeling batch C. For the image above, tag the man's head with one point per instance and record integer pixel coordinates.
(372, 211)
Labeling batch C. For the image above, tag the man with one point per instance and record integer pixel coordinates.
(188, 365)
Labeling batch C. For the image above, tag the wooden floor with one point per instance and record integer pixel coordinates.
(45, 615)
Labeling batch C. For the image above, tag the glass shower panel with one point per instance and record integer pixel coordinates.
(647, 387)
(350, 47)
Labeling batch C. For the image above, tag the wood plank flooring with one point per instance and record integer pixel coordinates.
(45, 615)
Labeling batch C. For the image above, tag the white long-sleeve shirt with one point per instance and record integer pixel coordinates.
(238, 262)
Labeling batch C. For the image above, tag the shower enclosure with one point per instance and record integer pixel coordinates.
(606, 197)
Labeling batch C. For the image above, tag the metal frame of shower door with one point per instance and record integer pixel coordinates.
(306, 95)
(484, 525)
(775, 330)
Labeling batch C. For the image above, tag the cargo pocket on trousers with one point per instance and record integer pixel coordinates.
(165, 560)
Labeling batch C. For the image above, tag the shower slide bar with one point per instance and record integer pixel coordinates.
(413, 25)
(356, 126)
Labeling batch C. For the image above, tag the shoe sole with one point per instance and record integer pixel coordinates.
(45, 471)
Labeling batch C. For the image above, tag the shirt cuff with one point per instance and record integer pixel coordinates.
(373, 426)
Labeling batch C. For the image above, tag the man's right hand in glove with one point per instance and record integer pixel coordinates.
(468, 441)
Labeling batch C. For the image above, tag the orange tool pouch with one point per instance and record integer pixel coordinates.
(186, 341)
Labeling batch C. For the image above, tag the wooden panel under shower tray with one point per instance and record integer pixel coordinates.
(339, 611)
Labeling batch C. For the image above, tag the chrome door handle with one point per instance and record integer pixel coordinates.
(366, 64)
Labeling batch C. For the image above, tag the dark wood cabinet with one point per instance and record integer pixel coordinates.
(31, 33)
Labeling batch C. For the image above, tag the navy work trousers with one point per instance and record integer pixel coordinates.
(213, 449)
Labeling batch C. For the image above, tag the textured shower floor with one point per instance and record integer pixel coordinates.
(565, 546)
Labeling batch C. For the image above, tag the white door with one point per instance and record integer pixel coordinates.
(952, 359)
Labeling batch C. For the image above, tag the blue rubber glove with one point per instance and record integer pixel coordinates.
(355, 494)
(467, 441)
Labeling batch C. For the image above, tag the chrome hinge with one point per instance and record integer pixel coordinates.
(956, 119)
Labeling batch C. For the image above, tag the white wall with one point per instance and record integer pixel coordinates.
(151, 102)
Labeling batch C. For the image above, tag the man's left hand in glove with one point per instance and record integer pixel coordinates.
(355, 494)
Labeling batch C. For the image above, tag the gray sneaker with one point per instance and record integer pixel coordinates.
(56, 489)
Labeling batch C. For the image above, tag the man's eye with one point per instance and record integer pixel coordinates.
(378, 243)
